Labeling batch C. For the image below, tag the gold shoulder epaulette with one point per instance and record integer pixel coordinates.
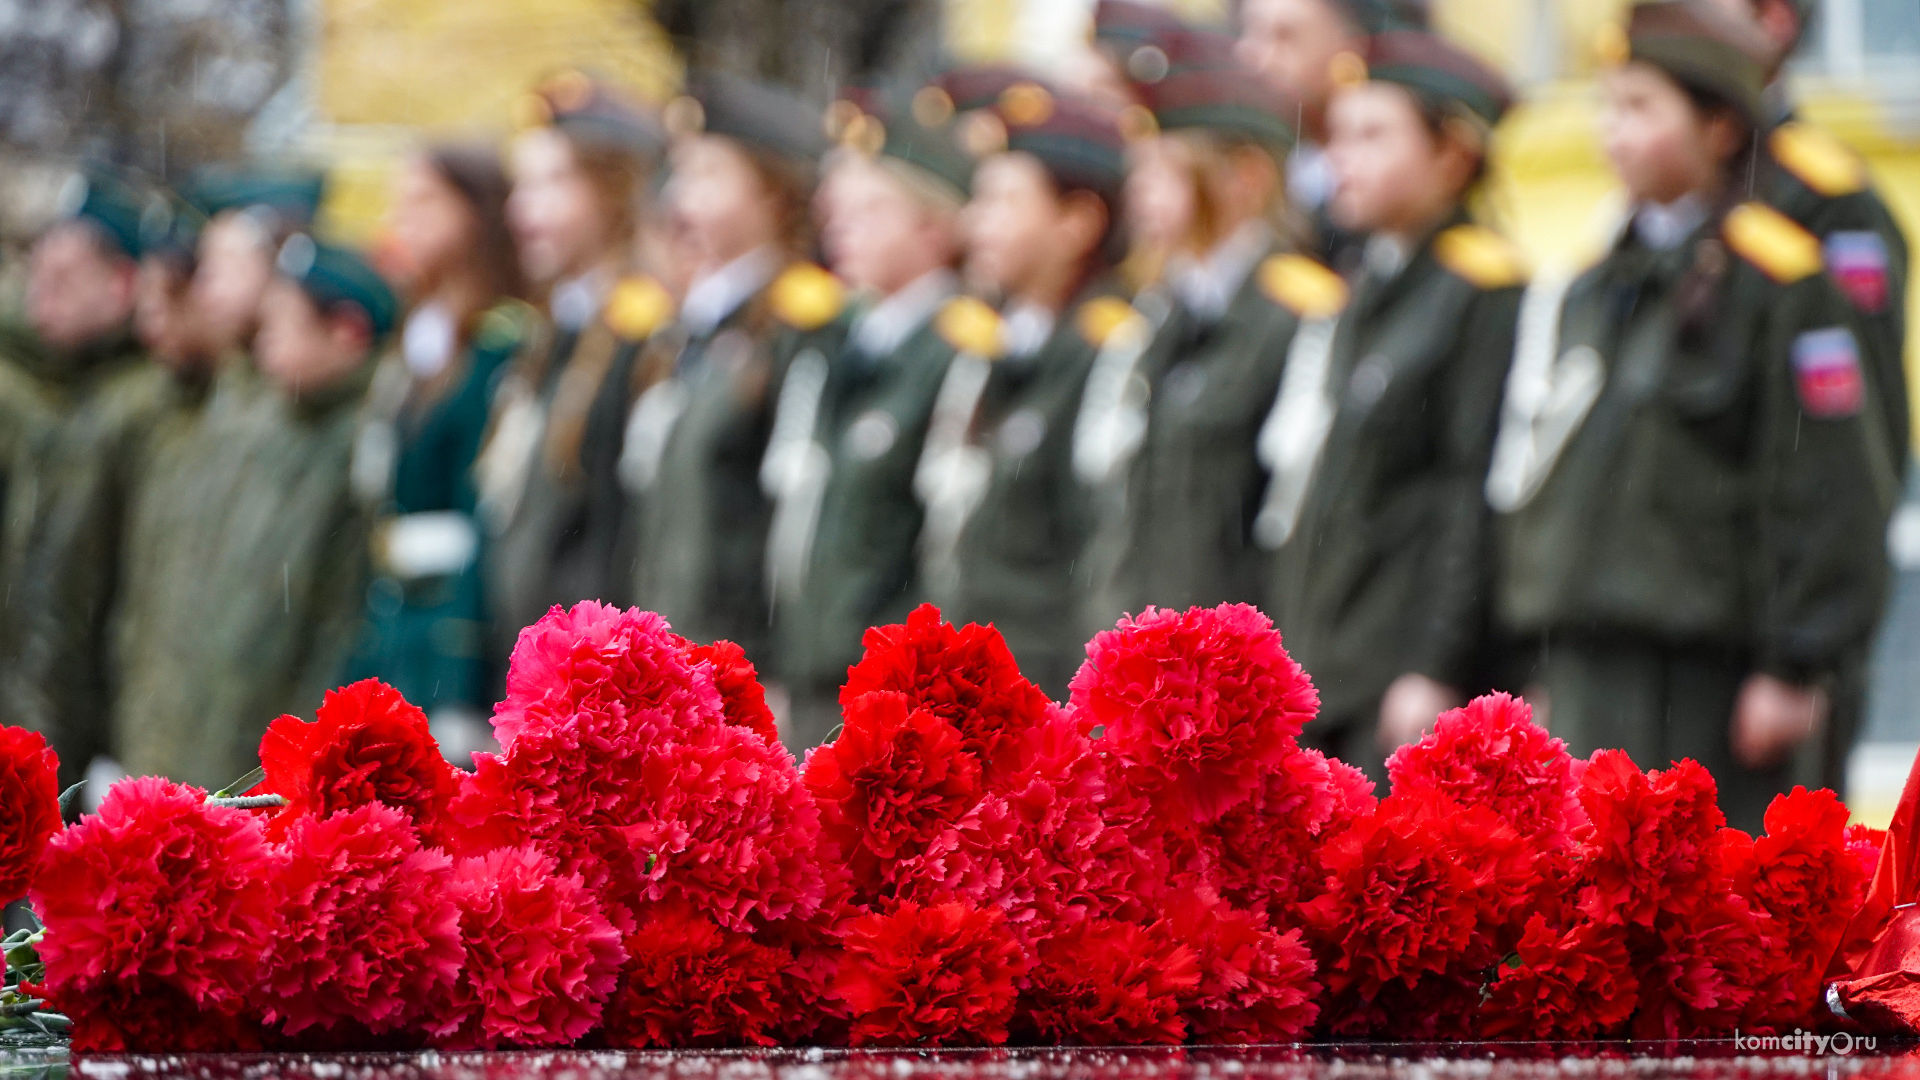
(1482, 257)
(970, 326)
(1303, 286)
(1773, 242)
(1817, 159)
(1099, 317)
(637, 306)
(806, 297)
(505, 325)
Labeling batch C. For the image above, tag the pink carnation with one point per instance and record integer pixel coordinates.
(541, 957)
(372, 932)
(1492, 754)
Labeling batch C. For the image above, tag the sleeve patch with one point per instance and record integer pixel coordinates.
(1773, 242)
(806, 297)
(1858, 262)
(1817, 160)
(1826, 372)
(1480, 256)
(1303, 286)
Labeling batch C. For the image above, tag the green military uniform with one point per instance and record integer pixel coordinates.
(1007, 522)
(1823, 186)
(425, 625)
(67, 490)
(841, 554)
(698, 440)
(1720, 510)
(281, 581)
(549, 473)
(1380, 443)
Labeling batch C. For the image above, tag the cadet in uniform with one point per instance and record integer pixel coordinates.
(1170, 434)
(1383, 430)
(285, 580)
(1294, 45)
(70, 479)
(249, 212)
(1813, 178)
(425, 629)
(741, 177)
(851, 421)
(548, 481)
(1006, 521)
(1692, 468)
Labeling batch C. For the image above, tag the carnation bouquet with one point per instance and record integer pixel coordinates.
(1156, 860)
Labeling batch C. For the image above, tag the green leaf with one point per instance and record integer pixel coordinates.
(70, 798)
(243, 785)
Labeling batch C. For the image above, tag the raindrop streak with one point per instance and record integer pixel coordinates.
(286, 589)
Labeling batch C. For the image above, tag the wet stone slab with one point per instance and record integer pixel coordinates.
(1698, 1060)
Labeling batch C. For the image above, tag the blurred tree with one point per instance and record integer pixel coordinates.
(159, 84)
(818, 45)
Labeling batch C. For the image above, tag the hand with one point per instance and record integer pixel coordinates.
(1410, 707)
(1772, 718)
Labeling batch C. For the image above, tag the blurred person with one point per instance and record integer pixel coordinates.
(69, 480)
(282, 585)
(740, 185)
(1170, 433)
(249, 211)
(1385, 425)
(425, 626)
(549, 488)
(1304, 48)
(853, 410)
(1006, 522)
(1692, 468)
(1822, 184)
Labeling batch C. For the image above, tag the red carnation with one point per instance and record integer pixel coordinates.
(941, 975)
(1492, 754)
(1256, 986)
(541, 957)
(965, 676)
(1702, 967)
(1107, 983)
(722, 821)
(741, 695)
(689, 983)
(29, 807)
(612, 674)
(1198, 706)
(1265, 854)
(366, 745)
(1864, 843)
(896, 780)
(1576, 984)
(1648, 839)
(158, 910)
(1802, 874)
(1421, 887)
(372, 932)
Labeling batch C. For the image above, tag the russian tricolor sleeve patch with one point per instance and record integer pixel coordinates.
(1826, 373)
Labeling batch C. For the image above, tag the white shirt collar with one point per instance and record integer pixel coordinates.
(1384, 256)
(1025, 328)
(1310, 176)
(1207, 286)
(575, 301)
(1664, 228)
(429, 339)
(717, 295)
(885, 326)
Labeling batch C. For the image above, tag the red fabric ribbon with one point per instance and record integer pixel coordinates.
(1874, 977)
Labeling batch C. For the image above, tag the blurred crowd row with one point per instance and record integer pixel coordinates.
(1213, 320)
